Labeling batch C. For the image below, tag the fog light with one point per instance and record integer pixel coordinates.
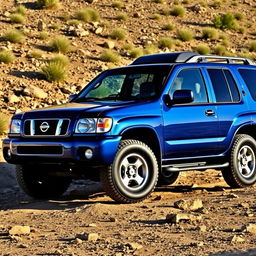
(88, 153)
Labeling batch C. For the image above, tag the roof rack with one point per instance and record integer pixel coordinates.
(189, 57)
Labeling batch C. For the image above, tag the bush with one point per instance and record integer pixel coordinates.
(48, 4)
(150, 49)
(61, 59)
(117, 4)
(158, 1)
(136, 52)
(166, 42)
(118, 34)
(185, 1)
(238, 16)
(17, 18)
(35, 55)
(6, 56)
(220, 50)
(203, 49)
(225, 21)
(128, 47)
(21, 9)
(87, 15)
(178, 11)
(168, 27)
(165, 11)
(14, 36)
(54, 26)
(122, 16)
(216, 4)
(252, 46)
(60, 44)
(54, 71)
(185, 35)
(43, 35)
(3, 123)
(210, 33)
(156, 16)
(73, 22)
(110, 56)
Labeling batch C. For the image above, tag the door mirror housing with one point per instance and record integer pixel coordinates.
(179, 97)
(72, 96)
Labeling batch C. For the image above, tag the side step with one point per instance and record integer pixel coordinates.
(192, 166)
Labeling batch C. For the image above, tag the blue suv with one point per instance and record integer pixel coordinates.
(138, 126)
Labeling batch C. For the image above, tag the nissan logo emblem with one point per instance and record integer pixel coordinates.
(44, 127)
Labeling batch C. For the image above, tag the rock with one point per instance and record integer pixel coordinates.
(244, 205)
(136, 15)
(80, 32)
(201, 228)
(157, 198)
(78, 241)
(197, 244)
(177, 217)
(88, 236)
(249, 228)
(92, 225)
(232, 196)
(66, 90)
(13, 99)
(134, 246)
(19, 230)
(6, 14)
(203, 211)
(109, 44)
(35, 92)
(198, 8)
(23, 246)
(112, 219)
(41, 25)
(90, 1)
(98, 30)
(189, 204)
(236, 239)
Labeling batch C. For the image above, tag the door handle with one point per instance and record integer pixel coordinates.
(209, 112)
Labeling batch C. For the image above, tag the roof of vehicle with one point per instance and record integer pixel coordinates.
(189, 57)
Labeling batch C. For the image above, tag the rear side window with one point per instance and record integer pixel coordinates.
(249, 76)
(224, 85)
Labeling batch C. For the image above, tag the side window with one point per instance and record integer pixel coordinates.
(232, 85)
(190, 79)
(220, 85)
(249, 76)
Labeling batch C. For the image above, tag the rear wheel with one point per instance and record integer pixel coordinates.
(167, 178)
(242, 169)
(37, 182)
(134, 173)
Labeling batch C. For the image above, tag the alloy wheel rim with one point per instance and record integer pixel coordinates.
(246, 161)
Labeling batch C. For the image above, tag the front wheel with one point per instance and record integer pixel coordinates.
(242, 170)
(167, 178)
(134, 173)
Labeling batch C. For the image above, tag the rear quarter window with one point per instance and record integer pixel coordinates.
(249, 77)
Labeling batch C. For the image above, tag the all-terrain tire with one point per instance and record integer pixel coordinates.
(242, 169)
(36, 182)
(133, 175)
(167, 178)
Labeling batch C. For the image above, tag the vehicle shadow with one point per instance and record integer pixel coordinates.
(250, 252)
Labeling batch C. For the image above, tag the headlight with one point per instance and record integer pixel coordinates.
(15, 126)
(93, 125)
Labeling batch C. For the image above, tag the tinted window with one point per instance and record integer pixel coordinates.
(220, 85)
(249, 76)
(190, 79)
(232, 85)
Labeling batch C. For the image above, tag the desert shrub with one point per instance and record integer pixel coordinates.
(60, 58)
(210, 33)
(241, 29)
(165, 11)
(203, 49)
(54, 72)
(87, 15)
(60, 44)
(225, 21)
(178, 11)
(128, 47)
(136, 52)
(185, 35)
(14, 36)
(3, 123)
(158, 1)
(238, 16)
(21, 9)
(73, 22)
(110, 56)
(55, 26)
(166, 42)
(6, 56)
(43, 35)
(155, 16)
(35, 54)
(117, 4)
(17, 18)
(252, 46)
(216, 4)
(168, 27)
(48, 4)
(118, 34)
(122, 16)
(150, 49)
(185, 1)
(220, 50)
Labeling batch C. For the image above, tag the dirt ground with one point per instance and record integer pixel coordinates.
(58, 227)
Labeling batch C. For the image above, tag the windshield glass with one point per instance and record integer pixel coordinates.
(131, 83)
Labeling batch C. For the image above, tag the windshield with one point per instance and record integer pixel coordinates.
(130, 83)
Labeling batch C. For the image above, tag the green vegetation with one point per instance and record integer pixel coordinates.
(43, 35)
(118, 34)
(55, 26)
(185, 1)
(150, 49)
(17, 18)
(136, 52)
(21, 9)
(60, 58)
(35, 55)
(3, 123)
(117, 4)
(220, 50)
(48, 4)
(13, 36)
(6, 56)
(128, 47)
(87, 15)
(110, 56)
(203, 49)
(252, 46)
(168, 27)
(158, 1)
(238, 16)
(165, 11)
(73, 22)
(122, 16)
(60, 44)
(185, 35)
(225, 21)
(178, 11)
(216, 4)
(155, 16)
(210, 33)
(166, 42)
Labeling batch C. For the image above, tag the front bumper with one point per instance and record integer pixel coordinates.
(22, 151)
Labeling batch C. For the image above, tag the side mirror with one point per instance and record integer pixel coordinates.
(182, 97)
(72, 96)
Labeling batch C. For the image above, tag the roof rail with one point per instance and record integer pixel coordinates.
(216, 58)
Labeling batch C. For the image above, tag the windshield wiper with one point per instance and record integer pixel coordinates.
(87, 99)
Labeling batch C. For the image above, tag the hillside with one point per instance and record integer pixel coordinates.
(149, 26)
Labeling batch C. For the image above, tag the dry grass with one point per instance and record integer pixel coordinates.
(118, 34)
(17, 18)
(60, 44)
(6, 56)
(185, 35)
(110, 56)
(48, 4)
(13, 36)
(87, 15)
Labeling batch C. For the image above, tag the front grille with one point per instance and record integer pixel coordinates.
(46, 127)
(40, 150)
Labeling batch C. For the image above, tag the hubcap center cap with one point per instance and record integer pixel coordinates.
(131, 170)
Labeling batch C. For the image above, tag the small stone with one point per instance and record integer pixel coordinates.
(236, 239)
(109, 44)
(35, 92)
(244, 205)
(134, 246)
(112, 219)
(189, 204)
(13, 99)
(157, 198)
(92, 225)
(201, 228)
(19, 230)
(88, 236)
(136, 15)
(78, 241)
(232, 196)
(203, 211)
(197, 244)
(41, 25)
(177, 217)
(98, 30)
(249, 228)
(23, 246)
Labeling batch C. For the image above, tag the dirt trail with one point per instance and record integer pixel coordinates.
(56, 227)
